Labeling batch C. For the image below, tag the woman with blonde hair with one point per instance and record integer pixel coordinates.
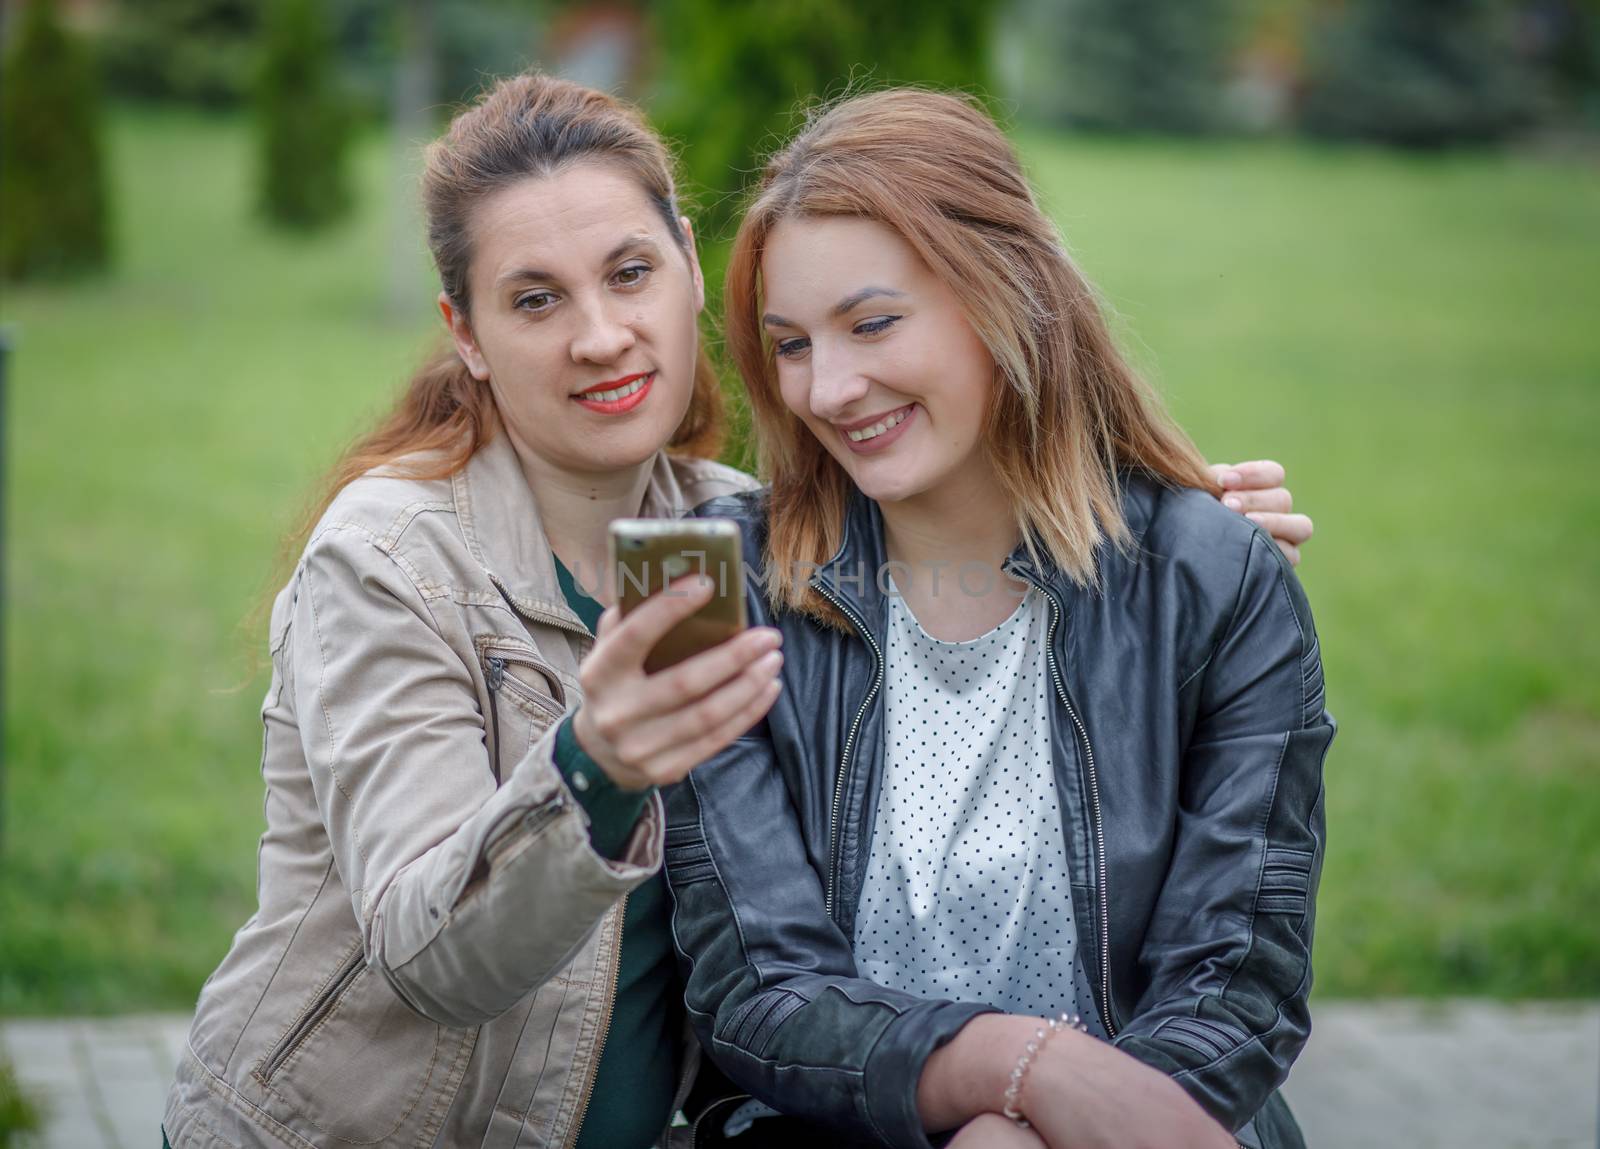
(1028, 845)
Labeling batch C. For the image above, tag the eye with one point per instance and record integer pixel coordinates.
(792, 348)
(535, 301)
(632, 275)
(876, 326)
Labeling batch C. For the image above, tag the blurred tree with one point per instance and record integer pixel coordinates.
(305, 123)
(1127, 65)
(52, 169)
(1418, 73)
(195, 51)
(733, 74)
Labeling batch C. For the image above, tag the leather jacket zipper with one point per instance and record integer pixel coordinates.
(309, 1020)
(605, 1026)
(1094, 805)
(849, 742)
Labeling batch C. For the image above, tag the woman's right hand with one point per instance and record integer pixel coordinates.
(1081, 1093)
(652, 729)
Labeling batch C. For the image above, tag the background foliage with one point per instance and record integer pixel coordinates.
(52, 178)
(305, 121)
(1408, 328)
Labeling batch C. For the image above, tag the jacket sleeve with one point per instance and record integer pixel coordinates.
(1228, 949)
(772, 989)
(468, 896)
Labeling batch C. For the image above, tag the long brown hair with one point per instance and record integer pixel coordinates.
(525, 126)
(1067, 411)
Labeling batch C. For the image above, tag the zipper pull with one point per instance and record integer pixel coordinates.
(497, 673)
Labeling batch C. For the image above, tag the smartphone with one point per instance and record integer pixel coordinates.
(648, 554)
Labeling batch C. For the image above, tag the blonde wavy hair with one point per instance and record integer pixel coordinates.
(1068, 412)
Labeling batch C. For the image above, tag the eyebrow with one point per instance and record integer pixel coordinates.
(846, 305)
(640, 241)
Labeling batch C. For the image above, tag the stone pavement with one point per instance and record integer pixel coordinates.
(1467, 1075)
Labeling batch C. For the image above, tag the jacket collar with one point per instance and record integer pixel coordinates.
(852, 574)
(499, 520)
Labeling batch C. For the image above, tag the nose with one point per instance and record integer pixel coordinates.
(605, 333)
(835, 384)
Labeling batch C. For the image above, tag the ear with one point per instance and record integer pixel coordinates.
(461, 334)
(694, 265)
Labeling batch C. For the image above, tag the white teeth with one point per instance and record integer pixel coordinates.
(619, 393)
(879, 427)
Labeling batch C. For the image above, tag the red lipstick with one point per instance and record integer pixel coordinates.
(622, 404)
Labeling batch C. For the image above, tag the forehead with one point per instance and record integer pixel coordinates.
(811, 262)
(568, 219)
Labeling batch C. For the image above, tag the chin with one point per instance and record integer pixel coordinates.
(626, 446)
(889, 488)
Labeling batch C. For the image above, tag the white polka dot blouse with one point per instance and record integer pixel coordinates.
(967, 895)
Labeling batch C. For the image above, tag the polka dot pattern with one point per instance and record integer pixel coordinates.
(967, 894)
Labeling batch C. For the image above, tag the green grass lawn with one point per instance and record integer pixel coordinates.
(1414, 337)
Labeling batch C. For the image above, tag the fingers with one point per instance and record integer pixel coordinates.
(1277, 500)
(622, 643)
(676, 765)
(1290, 552)
(698, 675)
(1256, 475)
(992, 1131)
(658, 739)
(1295, 529)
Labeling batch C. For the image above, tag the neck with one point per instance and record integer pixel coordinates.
(962, 525)
(575, 508)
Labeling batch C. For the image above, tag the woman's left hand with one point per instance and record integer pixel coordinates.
(1256, 490)
(992, 1131)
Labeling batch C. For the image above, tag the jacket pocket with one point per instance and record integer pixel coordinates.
(526, 696)
(358, 1065)
(321, 1005)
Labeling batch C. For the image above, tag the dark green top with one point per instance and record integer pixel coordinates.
(638, 1072)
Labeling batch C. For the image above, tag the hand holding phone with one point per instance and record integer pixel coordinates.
(648, 554)
(650, 727)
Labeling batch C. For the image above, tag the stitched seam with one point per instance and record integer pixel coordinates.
(447, 1092)
(1197, 671)
(406, 515)
(289, 945)
(1266, 816)
(422, 1084)
(230, 1096)
(311, 1003)
(327, 722)
(1233, 615)
(733, 909)
(1255, 1038)
(1283, 585)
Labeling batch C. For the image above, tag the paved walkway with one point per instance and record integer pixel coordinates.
(1467, 1075)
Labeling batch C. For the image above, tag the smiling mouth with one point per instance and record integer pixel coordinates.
(632, 386)
(888, 423)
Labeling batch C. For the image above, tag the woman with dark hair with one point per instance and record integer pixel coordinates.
(1028, 845)
(462, 934)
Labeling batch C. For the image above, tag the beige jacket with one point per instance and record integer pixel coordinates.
(424, 967)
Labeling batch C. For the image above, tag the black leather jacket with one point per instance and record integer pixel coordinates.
(1188, 734)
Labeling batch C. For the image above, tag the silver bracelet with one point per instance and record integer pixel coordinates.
(1013, 1107)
